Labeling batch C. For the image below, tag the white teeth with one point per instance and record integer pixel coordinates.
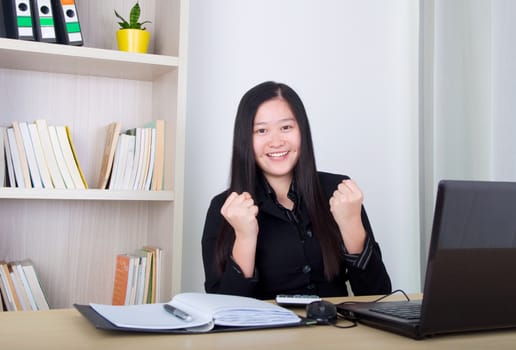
(279, 154)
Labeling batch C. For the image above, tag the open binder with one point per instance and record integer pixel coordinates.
(205, 313)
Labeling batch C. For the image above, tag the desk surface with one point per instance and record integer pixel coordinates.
(68, 329)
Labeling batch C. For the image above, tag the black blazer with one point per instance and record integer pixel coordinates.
(288, 256)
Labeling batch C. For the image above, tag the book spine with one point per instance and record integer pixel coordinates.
(29, 154)
(40, 157)
(50, 158)
(109, 154)
(10, 177)
(24, 165)
(71, 165)
(75, 157)
(58, 153)
(26, 286)
(35, 285)
(9, 297)
(121, 279)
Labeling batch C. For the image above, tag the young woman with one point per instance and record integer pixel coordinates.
(282, 227)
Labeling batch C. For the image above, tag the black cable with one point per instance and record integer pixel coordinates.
(340, 317)
(354, 319)
(392, 293)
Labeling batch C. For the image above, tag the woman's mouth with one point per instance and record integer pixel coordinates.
(277, 154)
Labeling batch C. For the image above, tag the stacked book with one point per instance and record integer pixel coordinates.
(133, 159)
(38, 155)
(137, 277)
(20, 288)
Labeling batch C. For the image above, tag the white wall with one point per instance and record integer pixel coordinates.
(462, 85)
(503, 87)
(474, 71)
(468, 94)
(355, 65)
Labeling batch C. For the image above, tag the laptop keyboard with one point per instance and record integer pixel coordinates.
(408, 311)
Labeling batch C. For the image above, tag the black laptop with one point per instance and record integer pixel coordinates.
(470, 280)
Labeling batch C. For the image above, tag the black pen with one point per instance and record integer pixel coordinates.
(178, 313)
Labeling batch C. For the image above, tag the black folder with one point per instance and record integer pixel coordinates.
(68, 27)
(101, 323)
(43, 21)
(16, 18)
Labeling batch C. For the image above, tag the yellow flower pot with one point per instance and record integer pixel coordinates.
(133, 40)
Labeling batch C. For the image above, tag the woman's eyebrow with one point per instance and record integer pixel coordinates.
(286, 119)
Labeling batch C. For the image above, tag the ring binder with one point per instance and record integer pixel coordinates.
(68, 28)
(43, 19)
(17, 19)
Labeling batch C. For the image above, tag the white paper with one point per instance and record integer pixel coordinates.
(205, 309)
(237, 311)
(149, 316)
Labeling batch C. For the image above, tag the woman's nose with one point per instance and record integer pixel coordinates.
(276, 139)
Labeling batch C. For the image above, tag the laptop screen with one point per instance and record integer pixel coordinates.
(470, 282)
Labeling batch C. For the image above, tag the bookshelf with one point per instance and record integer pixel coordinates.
(73, 236)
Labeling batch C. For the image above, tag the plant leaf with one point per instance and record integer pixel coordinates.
(124, 23)
(134, 16)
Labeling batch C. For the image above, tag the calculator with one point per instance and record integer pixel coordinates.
(296, 299)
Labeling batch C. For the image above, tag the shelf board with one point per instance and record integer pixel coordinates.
(58, 58)
(88, 194)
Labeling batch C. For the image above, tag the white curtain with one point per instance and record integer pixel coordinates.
(468, 88)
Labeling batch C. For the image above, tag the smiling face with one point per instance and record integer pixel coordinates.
(276, 139)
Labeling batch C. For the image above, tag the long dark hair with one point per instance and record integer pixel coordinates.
(244, 174)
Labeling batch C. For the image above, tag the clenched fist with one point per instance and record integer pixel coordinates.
(240, 211)
(346, 206)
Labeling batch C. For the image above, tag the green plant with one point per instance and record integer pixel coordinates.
(134, 17)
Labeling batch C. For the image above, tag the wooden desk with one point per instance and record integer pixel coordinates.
(68, 329)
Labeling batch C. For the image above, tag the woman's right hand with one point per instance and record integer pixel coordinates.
(240, 211)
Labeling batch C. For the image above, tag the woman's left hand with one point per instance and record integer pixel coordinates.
(346, 208)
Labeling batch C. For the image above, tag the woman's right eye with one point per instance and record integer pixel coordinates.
(261, 131)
